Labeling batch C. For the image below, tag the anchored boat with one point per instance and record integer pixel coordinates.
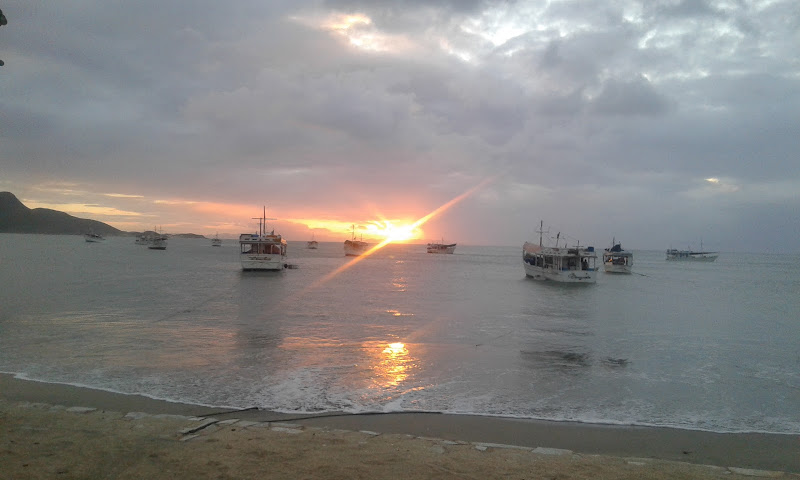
(617, 260)
(441, 247)
(353, 247)
(559, 264)
(262, 251)
(689, 255)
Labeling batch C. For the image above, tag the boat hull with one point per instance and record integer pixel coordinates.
(438, 248)
(618, 262)
(611, 268)
(563, 265)
(561, 276)
(355, 248)
(158, 243)
(689, 256)
(262, 262)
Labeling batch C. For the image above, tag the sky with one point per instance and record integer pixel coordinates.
(656, 123)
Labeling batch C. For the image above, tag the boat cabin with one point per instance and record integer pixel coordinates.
(563, 259)
(258, 245)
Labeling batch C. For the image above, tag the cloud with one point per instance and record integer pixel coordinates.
(349, 111)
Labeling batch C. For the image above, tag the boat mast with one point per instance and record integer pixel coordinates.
(541, 230)
(262, 223)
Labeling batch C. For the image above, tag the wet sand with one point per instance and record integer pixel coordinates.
(51, 430)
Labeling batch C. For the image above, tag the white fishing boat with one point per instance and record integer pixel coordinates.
(559, 264)
(689, 255)
(92, 237)
(262, 250)
(216, 241)
(441, 247)
(692, 256)
(353, 247)
(312, 244)
(157, 241)
(617, 260)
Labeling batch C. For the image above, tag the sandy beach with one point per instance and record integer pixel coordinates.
(60, 431)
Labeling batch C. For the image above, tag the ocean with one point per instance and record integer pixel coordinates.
(705, 346)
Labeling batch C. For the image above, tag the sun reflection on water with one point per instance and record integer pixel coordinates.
(393, 365)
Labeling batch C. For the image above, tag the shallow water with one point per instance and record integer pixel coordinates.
(693, 345)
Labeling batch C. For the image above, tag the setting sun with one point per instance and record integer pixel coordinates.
(393, 233)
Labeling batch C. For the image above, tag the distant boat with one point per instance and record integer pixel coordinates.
(441, 247)
(262, 251)
(689, 255)
(216, 241)
(142, 239)
(559, 264)
(617, 260)
(354, 248)
(157, 241)
(92, 237)
(312, 244)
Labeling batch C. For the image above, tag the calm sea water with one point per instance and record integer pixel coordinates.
(701, 346)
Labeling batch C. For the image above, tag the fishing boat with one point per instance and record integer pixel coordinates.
(216, 241)
(157, 241)
(262, 250)
(142, 239)
(617, 260)
(559, 264)
(692, 256)
(312, 244)
(689, 255)
(92, 237)
(441, 247)
(353, 247)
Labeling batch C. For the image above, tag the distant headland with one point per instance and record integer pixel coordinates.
(15, 217)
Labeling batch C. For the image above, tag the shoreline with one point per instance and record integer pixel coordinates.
(755, 451)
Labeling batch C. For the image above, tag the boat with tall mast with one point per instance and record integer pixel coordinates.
(617, 260)
(216, 241)
(559, 264)
(353, 247)
(262, 250)
(158, 241)
(312, 244)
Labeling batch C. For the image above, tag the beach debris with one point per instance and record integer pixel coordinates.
(197, 428)
(369, 432)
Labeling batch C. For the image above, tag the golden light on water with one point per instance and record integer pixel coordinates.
(394, 365)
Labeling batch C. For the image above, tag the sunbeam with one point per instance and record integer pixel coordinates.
(443, 208)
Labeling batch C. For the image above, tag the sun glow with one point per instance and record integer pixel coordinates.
(394, 233)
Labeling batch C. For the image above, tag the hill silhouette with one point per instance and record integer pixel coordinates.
(17, 218)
